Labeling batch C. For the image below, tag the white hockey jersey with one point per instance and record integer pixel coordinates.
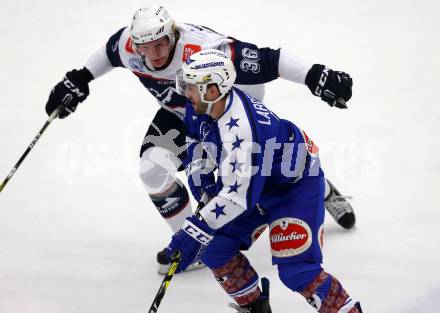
(255, 66)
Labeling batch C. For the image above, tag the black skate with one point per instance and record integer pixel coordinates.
(358, 306)
(164, 264)
(339, 208)
(261, 305)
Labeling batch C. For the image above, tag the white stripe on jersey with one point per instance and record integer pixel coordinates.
(237, 142)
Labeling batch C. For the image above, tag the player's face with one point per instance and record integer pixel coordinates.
(157, 51)
(192, 93)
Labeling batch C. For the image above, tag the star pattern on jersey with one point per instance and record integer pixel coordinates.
(232, 123)
(234, 187)
(236, 165)
(237, 143)
(218, 210)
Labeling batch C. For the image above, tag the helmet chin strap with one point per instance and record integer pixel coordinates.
(147, 63)
(208, 106)
(210, 103)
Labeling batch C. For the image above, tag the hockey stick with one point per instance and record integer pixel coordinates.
(173, 267)
(165, 283)
(203, 201)
(29, 148)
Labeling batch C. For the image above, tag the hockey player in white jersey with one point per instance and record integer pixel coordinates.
(153, 48)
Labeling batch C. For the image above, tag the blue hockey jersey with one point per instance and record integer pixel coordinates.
(253, 150)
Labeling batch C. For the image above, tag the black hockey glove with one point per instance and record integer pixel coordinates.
(68, 93)
(329, 85)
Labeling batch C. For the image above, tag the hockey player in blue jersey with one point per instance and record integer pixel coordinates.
(268, 173)
(153, 48)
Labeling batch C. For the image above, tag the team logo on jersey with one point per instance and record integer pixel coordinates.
(257, 232)
(289, 237)
(311, 147)
(205, 128)
(129, 46)
(189, 50)
(165, 96)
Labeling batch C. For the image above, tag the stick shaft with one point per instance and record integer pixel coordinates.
(164, 285)
(30, 147)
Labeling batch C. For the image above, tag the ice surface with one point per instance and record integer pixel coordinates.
(78, 233)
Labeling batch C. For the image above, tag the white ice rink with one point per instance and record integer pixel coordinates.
(78, 233)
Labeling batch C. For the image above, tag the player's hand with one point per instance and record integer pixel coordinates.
(201, 178)
(190, 241)
(332, 86)
(68, 93)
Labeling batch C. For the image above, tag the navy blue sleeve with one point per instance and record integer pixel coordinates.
(191, 124)
(254, 65)
(112, 49)
(192, 139)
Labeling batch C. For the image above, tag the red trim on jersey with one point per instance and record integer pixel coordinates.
(172, 106)
(128, 46)
(231, 46)
(139, 74)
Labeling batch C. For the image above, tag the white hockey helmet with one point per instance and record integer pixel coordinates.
(204, 68)
(150, 24)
